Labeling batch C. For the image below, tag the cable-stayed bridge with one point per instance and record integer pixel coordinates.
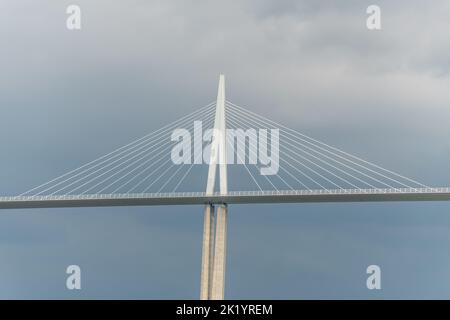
(259, 161)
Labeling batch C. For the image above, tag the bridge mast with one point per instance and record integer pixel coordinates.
(215, 232)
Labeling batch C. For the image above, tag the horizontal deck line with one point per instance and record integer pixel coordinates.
(239, 197)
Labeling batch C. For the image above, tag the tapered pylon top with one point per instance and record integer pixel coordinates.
(218, 147)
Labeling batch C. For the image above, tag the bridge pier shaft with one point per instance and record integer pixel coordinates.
(220, 254)
(207, 253)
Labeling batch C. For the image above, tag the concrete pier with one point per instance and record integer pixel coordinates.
(220, 254)
(207, 253)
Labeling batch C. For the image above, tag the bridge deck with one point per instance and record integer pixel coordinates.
(238, 197)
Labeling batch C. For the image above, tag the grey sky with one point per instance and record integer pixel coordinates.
(69, 97)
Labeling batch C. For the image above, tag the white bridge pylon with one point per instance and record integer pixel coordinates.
(215, 225)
